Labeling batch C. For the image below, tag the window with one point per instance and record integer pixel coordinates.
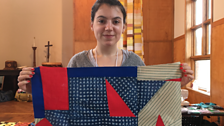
(200, 33)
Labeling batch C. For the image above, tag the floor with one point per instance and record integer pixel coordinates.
(14, 111)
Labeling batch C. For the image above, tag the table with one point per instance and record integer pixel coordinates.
(10, 80)
(197, 118)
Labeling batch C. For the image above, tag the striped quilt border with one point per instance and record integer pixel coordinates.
(159, 72)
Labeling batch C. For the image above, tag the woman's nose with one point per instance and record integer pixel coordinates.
(109, 26)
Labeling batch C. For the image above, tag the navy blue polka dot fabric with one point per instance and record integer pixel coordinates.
(57, 117)
(104, 121)
(87, 97)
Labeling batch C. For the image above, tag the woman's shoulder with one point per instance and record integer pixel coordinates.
(78, 59)
(81, 54)
(130, 54)
(132, 59)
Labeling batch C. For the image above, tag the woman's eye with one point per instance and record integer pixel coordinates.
(101, 21)
(116, 22)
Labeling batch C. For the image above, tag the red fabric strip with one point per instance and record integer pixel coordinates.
(44, 122)
(117, 107)
(178, 79)
(55, 88)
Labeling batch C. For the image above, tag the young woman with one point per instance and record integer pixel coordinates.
(107, 23)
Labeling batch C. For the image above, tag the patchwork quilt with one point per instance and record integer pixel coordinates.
(114, 96)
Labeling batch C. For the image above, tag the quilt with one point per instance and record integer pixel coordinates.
(114, 96)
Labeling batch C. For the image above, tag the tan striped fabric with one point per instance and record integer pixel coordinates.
(159, 72)
(166, 103)
(167, 100)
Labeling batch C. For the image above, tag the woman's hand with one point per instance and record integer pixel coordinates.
(24, 79)
(187, 74)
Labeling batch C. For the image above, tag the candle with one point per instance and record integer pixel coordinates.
(34, 42)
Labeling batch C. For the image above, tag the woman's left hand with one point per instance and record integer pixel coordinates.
(187, 74)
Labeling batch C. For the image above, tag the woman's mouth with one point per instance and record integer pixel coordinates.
(108, 36)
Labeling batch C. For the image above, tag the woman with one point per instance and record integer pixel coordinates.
(107, 23)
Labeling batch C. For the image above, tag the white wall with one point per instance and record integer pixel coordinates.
(46, 20)
(179, 18)
(67, 31)
(218, 10)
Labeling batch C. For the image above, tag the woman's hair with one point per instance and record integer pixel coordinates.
(98, 3)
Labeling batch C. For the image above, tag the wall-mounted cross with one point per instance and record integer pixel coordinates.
(48, 50)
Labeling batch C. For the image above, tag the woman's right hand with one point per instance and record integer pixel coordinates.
(24, 79)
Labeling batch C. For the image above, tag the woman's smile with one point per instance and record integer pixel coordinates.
(108, 36)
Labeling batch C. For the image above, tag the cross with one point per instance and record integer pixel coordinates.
(48, 50)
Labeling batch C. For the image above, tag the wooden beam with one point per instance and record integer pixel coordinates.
(204, 57)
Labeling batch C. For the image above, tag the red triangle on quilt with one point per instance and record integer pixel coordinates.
(159, 121)
(117, 107)
(43, 122)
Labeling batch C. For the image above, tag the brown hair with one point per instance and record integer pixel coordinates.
(98, 3)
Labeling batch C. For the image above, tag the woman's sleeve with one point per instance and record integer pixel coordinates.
(72, 62)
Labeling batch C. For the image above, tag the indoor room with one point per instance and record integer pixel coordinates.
(49, 33)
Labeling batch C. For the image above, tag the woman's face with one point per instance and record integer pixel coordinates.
(108, 25)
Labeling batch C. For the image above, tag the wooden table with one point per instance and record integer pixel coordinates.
(10, 80)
